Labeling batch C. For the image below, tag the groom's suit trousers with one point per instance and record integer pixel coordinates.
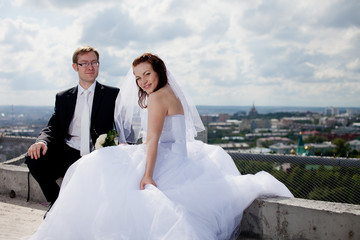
(48, 168)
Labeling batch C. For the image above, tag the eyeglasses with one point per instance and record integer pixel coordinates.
(85, 65)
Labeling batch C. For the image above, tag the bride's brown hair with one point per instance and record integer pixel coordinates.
(159, 67)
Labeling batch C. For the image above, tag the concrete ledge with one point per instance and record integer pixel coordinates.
(17, 179)
(283, 218)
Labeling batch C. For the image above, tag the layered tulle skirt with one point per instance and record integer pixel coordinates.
(199, 195)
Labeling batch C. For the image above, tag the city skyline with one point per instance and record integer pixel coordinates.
(37, 112)
(229, 53)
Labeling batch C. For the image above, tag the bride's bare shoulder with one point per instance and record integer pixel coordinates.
(164, 92)
(165, 98)
(158, 97)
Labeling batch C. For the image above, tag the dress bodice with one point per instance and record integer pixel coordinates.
(174, 129)
(173, 135)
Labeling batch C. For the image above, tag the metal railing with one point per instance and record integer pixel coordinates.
(266, 157)
(309, 177)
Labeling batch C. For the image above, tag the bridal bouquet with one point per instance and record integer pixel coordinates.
(105, 140)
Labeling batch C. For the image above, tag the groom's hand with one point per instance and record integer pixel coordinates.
(37, 148)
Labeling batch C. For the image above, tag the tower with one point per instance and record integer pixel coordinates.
(252, 112)
(300, 150)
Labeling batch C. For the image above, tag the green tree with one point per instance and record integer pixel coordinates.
(342, 148)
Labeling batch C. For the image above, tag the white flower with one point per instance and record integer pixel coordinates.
(100, 141)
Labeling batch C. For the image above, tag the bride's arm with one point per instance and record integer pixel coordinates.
(156, 117)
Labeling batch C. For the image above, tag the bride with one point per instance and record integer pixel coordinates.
(170, 187)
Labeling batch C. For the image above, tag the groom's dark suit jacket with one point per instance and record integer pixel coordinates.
(102, 114)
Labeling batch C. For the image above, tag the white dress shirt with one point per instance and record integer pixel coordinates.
(75, 125)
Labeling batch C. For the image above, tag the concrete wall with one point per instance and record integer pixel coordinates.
(269, 218)
(281, 218)
(17, 179)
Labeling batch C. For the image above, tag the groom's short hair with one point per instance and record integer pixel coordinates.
(82, 50)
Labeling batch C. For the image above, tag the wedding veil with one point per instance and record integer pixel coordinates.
(129, 117)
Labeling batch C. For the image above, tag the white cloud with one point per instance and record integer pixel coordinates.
(223, 52)
(329, 73)
(354, 65)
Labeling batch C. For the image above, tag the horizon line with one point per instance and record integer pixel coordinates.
(202, 105)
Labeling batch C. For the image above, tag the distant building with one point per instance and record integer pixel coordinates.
(240, 113)
(327, 121)
(256, 150)
(345, 130)
(300, 149)
(206, 119)
(222, 125)
(233, 138)
(202, 136)
(293, 121)
(281, 148)
(331, 111)
(223, 117)
(254, 124)
(351, 112)
(253, 112)
(278, 133)
(355, 144)
(234, 121)
(306, 134)
(274, 123)
(233, 146)
(342, 119)
(272, 140)
(309, 149)
(323, 148)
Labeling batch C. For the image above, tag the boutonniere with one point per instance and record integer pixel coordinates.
(105, 140)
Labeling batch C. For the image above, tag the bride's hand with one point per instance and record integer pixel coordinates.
(146, 180)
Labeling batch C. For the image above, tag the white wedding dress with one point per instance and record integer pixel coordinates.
(200, 193)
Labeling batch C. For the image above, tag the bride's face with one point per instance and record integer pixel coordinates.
(146, 78)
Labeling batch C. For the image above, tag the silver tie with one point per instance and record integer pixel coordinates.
(85, 126)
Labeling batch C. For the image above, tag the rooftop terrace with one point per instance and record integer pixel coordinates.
(19, 218)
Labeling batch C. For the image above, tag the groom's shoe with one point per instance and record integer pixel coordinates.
(50, 205)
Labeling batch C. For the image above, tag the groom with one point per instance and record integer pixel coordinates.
(81, 114)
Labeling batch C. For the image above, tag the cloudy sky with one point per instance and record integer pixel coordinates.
(231, 52)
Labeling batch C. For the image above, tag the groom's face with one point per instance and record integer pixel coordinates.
(87, 74)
